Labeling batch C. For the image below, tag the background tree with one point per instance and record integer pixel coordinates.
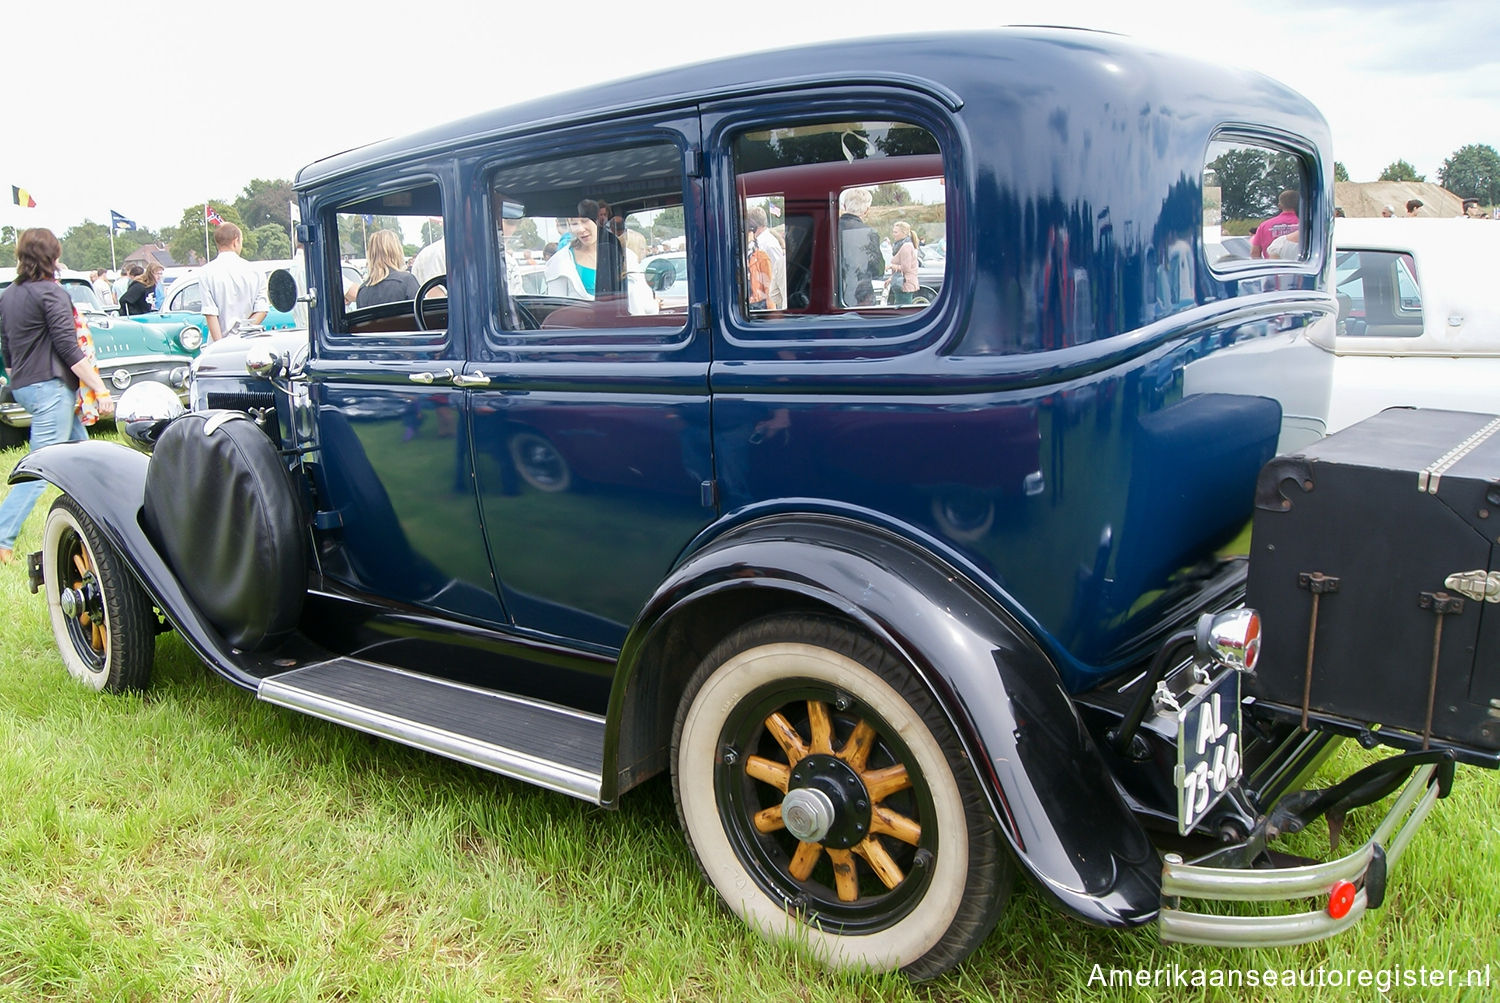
(187, 240)
(890, 193)
(526, 237)
(1250, 180)
(271, 242)
(1473, 172)
(432, 231)
(1400, 170)
(1340, 172)
(266, 202)
(353, 229)
(668, 223)
(85, 246)
(7, 246)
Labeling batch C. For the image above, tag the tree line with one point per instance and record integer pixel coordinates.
(1250, 178)
(263, 211)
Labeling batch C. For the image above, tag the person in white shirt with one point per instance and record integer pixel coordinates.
(233, 292)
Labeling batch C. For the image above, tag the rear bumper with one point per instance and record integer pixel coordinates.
(1365, 869)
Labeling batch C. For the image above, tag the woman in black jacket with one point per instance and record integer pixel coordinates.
(45, 363)
(137, 298)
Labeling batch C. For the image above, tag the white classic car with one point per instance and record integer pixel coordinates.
(1419, 322)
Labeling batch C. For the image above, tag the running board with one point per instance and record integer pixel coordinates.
(541, 743)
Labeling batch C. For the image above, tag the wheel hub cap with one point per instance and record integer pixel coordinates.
(807, 814)
(827, 780)
(71, 601)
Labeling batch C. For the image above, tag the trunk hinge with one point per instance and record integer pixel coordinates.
(1317, 583)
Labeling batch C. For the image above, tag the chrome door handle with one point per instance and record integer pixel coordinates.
(428, 378)
(474, 379)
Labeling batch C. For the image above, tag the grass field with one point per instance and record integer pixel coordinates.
(190, 843)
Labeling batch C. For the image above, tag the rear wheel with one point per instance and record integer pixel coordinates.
(827, 799)
(10, 436)
(101, 619)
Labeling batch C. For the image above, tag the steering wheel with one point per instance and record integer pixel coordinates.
(418, 306)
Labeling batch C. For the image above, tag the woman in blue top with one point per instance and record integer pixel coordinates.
(591, 264)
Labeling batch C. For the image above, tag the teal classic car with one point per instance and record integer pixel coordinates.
(157, 348)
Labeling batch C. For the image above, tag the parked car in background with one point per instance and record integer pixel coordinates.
(907, 600)
(150, 347)
(1419, 321)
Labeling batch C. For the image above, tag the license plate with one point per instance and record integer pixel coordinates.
(1208, 748)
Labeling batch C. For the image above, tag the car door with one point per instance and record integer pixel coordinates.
(589, 406)
(393, 468)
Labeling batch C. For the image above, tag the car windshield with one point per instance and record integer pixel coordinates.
(83, 294)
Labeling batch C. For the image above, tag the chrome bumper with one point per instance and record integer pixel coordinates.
(1366, 866)
(14, 415)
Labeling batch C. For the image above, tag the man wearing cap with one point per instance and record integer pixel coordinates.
(1387, 212)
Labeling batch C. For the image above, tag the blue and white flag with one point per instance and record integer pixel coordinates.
(118, 222)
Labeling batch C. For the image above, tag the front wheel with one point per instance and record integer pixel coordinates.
(827, 799)
(101, 620)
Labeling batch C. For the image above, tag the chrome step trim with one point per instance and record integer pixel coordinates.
(509, 759)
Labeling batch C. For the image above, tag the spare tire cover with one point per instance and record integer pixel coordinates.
(221, 506)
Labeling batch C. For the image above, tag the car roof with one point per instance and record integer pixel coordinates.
(1062, 65)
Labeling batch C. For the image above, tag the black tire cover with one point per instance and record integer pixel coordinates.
(221, 506)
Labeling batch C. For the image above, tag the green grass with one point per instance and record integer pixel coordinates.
(190, 843)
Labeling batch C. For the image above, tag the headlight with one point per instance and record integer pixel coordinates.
(191, 338)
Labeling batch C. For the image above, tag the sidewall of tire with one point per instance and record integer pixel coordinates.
(125, 615)
(926, 924)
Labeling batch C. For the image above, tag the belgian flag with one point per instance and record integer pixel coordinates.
(22, 197)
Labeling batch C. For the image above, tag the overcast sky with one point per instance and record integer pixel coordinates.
(147, 108)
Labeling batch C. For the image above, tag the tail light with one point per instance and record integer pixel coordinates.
(1231, 638)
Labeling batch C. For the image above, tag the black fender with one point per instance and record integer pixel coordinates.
(109, 481)
(1049, 789)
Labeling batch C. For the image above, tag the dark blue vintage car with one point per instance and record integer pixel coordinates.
(907, 598)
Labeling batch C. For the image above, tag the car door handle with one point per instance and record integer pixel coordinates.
(427, 378)
(474, 379)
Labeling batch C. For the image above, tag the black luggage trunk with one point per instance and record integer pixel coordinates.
(1388, 531)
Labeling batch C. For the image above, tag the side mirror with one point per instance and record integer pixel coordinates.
(281, 290)
(660, 275)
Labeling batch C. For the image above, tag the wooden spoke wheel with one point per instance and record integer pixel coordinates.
(823, 793)
(101, 620)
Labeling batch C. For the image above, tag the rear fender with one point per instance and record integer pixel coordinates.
(109, 481)
(1049, 790)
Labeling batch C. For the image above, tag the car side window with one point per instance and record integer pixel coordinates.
(839, 218)
(591, 240)
(1255, 207)
(187, 297)
(394, 242)
(1378, 294)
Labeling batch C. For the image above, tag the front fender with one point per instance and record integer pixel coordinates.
(109, 481)
(1049, 790)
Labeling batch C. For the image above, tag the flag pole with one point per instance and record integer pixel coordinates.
(112, 266)
(205, 233)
